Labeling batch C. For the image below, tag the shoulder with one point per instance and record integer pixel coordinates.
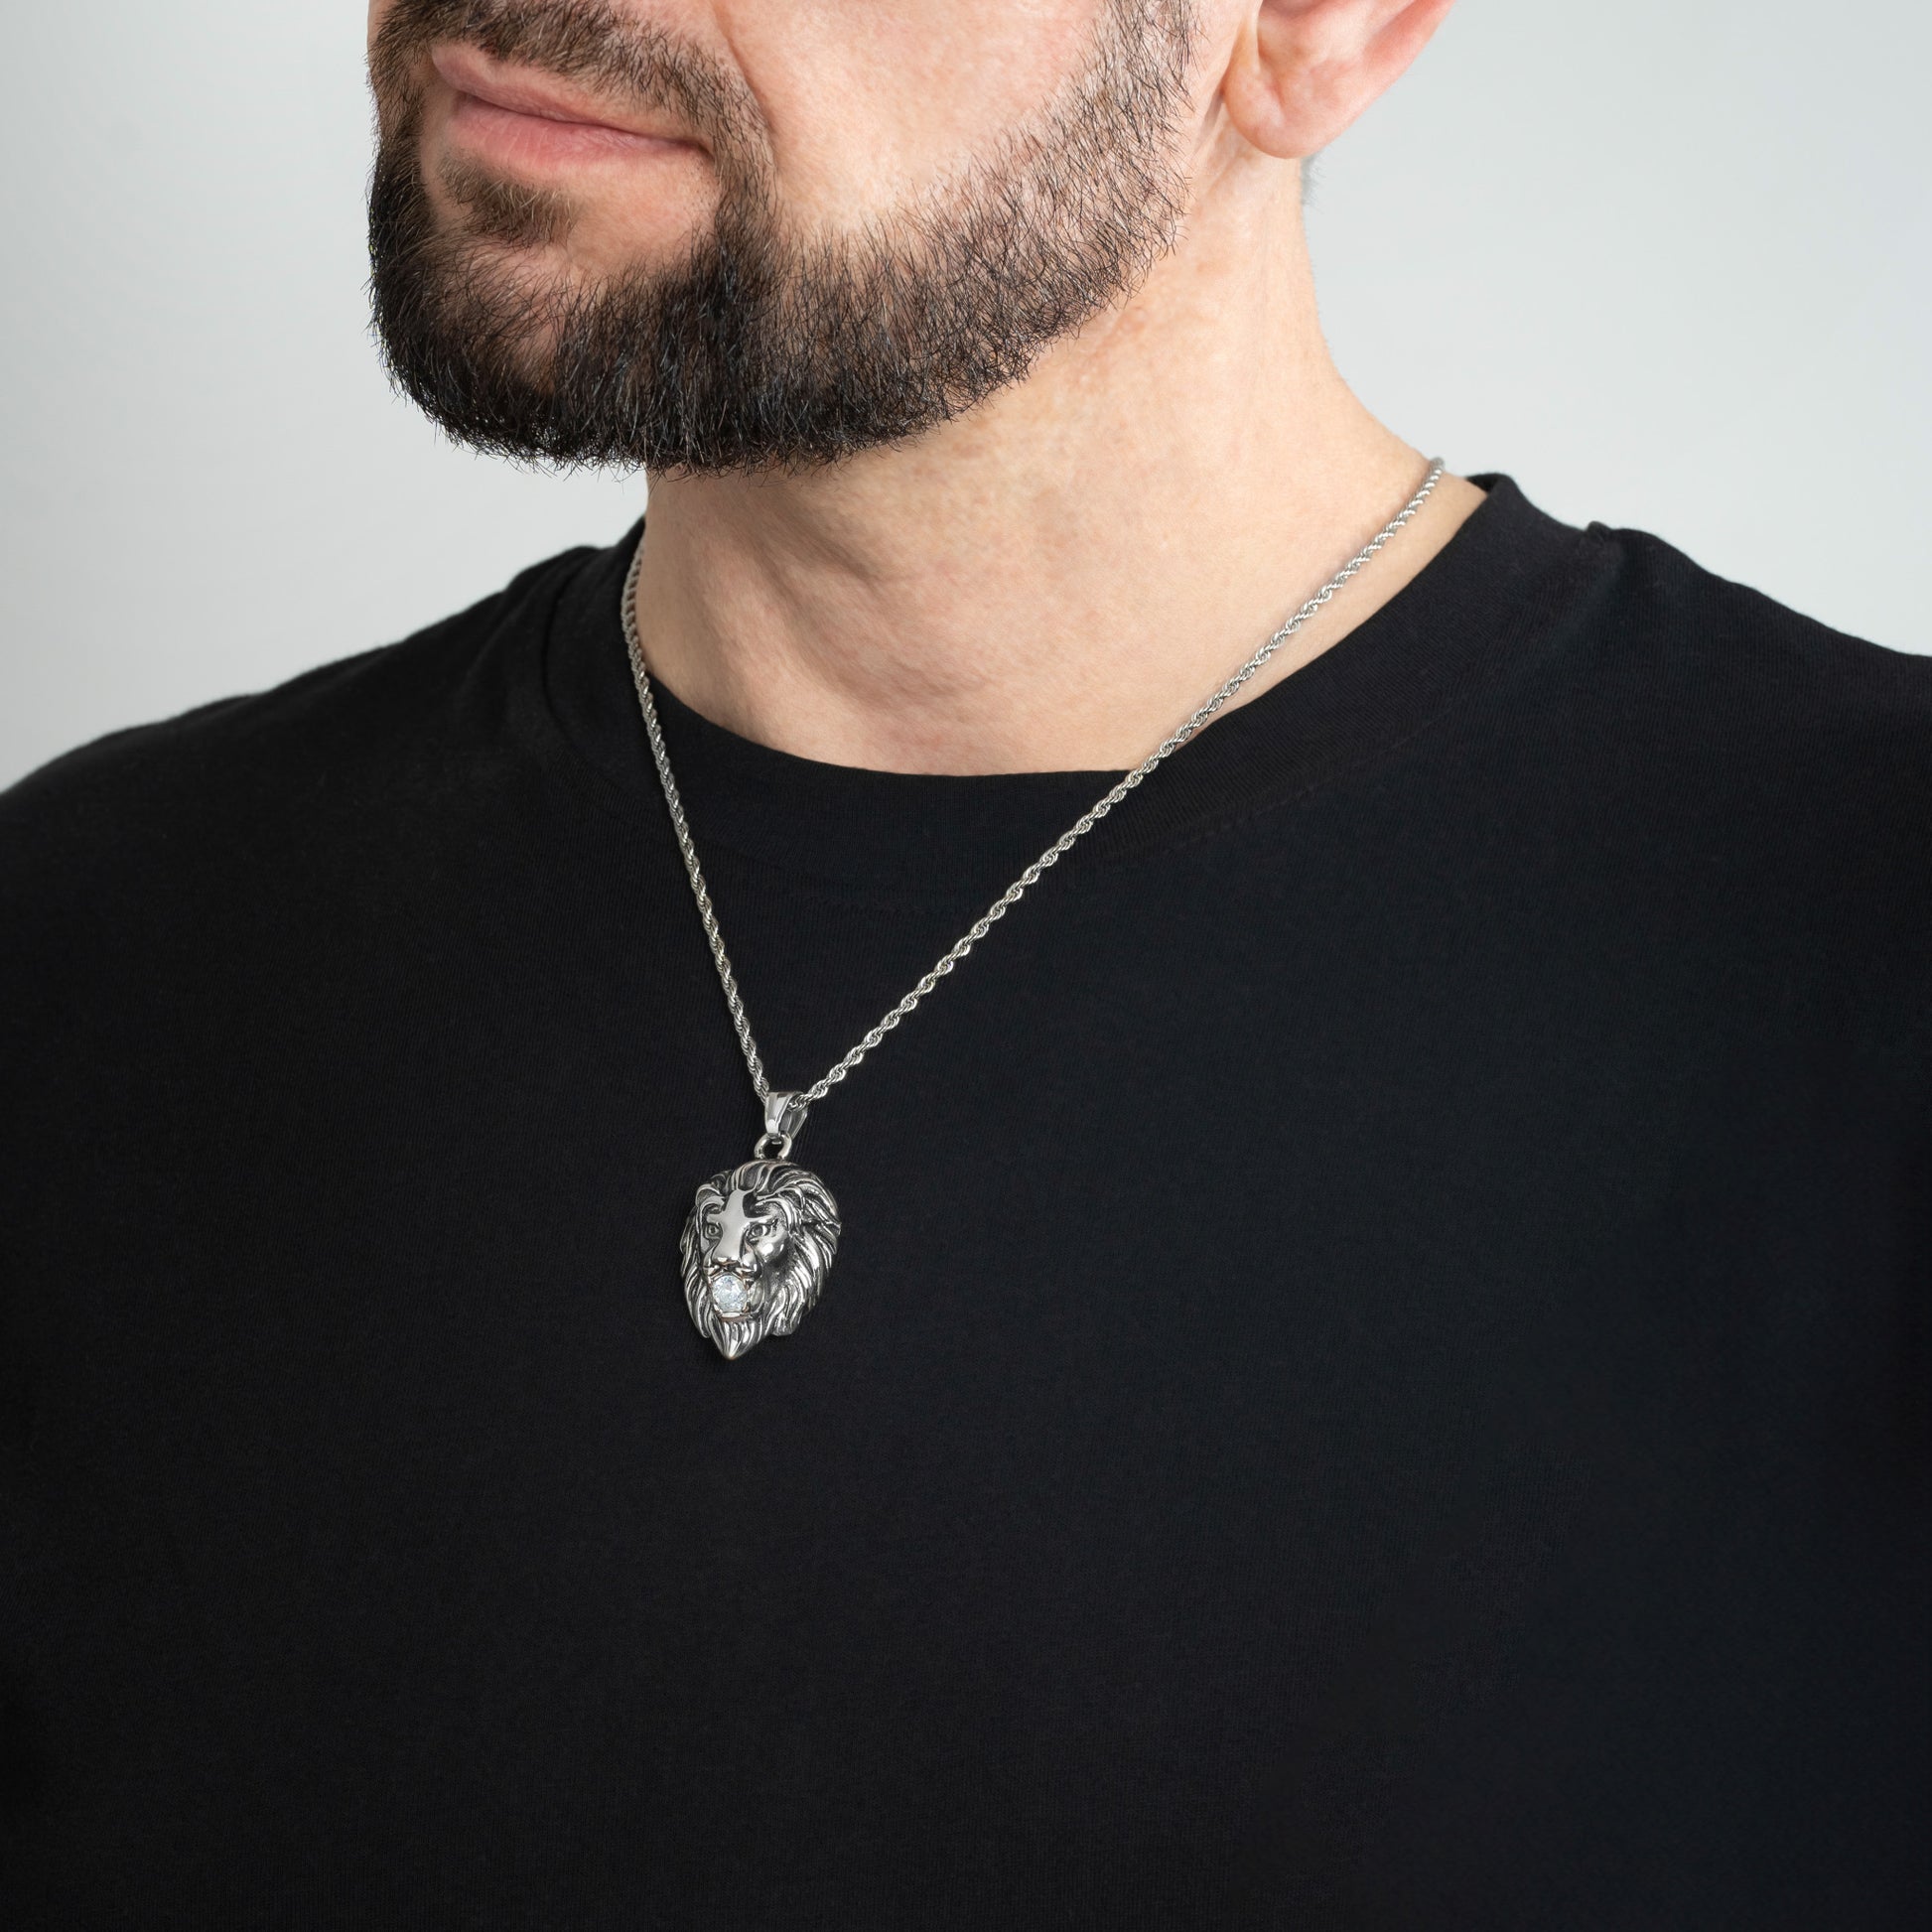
(273, 826)
(330, 733)
(1700, 633)
(1754, 708)
(1760, 782)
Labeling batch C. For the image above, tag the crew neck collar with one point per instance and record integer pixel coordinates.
(1481, 604)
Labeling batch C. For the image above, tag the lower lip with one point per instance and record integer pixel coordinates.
(533, 141)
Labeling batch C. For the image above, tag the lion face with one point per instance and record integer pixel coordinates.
(755, 1251)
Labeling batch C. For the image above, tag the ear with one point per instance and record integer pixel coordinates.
(1301, 70)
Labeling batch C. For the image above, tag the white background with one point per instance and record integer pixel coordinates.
(1664, 260)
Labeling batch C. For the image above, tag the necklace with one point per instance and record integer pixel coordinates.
(759, 1238)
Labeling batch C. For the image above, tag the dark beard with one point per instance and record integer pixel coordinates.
(758, 350)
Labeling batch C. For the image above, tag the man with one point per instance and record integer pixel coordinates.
(1351, 1359)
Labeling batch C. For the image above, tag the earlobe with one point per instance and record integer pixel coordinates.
(1301, 71)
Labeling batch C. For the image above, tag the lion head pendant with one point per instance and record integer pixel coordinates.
(755, 1252)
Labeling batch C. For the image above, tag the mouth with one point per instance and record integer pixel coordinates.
(537, 122)
(732, 1296)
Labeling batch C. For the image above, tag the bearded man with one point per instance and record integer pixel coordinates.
(1089, 1156)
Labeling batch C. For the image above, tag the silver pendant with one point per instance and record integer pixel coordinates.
(759, 1240)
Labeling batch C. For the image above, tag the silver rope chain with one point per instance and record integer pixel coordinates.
(1013, 895)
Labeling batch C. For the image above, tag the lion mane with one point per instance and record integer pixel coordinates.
(791, 1285)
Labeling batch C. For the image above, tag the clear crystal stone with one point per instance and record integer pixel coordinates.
(730, 1294)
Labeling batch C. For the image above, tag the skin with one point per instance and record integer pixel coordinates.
(1051, 581)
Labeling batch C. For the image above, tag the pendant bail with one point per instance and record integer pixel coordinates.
(785, 1121)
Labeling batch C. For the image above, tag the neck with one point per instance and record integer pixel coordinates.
(1055, 578)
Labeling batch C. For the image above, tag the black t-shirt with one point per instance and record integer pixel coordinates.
(1374, 1376)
